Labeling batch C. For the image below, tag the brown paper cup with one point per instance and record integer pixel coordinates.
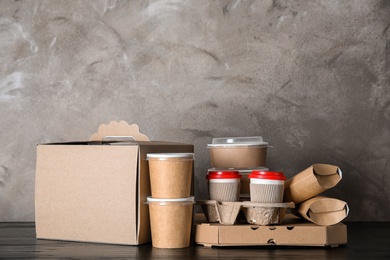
(171, 222)
(266, 191)
(311, 182)
(170, 174)
(224, 189)
(324, 211)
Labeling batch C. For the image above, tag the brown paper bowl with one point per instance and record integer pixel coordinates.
(238, 156)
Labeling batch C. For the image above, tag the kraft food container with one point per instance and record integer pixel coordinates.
(170, 174)
(224, 185)
(238, 152)
(171, 221)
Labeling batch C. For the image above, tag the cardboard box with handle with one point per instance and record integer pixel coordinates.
(94, 191)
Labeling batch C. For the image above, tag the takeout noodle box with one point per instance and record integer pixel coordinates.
(311, 182)
(238, 152)
(94, 191)
(293, 231)
(323, 211)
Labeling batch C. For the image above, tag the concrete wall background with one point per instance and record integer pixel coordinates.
(311, 77)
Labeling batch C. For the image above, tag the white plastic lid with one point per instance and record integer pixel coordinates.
(240, 170)
(249, 171)
(170, 156)
(189, 199)
(237, 141)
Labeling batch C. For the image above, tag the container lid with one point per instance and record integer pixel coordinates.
(170, 155)
(242, 171)
(237, 141)
(189, 199)
(268, 175)
(223, 175)
(249, 171)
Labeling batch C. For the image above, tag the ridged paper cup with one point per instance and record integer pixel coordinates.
(171, 221)
(170, 174)
(266, 186)
(224, 185)
(245, 182)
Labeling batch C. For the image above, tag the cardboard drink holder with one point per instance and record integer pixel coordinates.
(226, 212)
(94, 191)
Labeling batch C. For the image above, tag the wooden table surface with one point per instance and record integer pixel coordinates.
(365, 241)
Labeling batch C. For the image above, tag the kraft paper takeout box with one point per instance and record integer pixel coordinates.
(293, 231)
(323, 211)
(311, 182)
(94, 191)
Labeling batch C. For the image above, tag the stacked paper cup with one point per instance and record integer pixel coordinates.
(171, 203)
(232, 156)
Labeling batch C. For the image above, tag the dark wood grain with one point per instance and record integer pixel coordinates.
(365, 241)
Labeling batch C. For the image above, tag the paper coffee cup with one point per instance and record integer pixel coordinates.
(171, 221)
(224, 185)
(245, 183)
(170, 174)
(266, 186)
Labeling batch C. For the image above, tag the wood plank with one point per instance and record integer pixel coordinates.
(365, 240)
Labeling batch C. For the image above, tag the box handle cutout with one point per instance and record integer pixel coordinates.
(120, 138)
(272, 228)
(254, 227)
(290, 228)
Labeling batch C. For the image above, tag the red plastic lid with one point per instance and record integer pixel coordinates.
(268, 175)
(223, 175)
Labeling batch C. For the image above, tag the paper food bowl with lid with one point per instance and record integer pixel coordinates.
(238, 152)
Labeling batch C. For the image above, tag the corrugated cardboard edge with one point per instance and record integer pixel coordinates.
(207, 234)
(119, 129)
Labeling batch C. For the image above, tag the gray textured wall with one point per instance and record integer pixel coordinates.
(311, 77)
